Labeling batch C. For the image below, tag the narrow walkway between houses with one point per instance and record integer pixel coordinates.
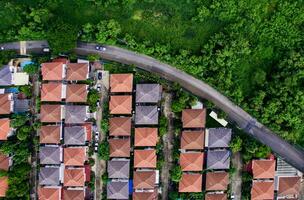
(100, 165)
(168, 146)
(236, 180)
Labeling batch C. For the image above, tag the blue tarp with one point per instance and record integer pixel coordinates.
(130, 187)
(14, 90)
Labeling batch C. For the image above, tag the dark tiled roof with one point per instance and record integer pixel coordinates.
(50, 155)
(119, 169)
(219, 137)
(75, 114)
(49, 176)
(218, 159)
(74, 135)
(5, 76)
(146, 115)
(148, 93)
(118, 190)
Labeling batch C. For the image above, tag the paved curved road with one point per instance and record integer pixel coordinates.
(251, 126)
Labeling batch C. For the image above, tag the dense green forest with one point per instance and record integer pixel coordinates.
(250, 50)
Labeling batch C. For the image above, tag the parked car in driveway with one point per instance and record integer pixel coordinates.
(1, 48)
(98, 103)
(96, 136)
(98, 87)
(99, 75)
(96, 147)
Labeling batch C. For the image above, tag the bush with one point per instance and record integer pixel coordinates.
(236, 144)
(26, 90)
(104, 150)
(31, 69)
(93, 57)
(93, 97)
(163, 126)
(176, 173)
(105, 126)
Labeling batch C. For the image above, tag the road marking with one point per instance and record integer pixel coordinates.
(22, 47)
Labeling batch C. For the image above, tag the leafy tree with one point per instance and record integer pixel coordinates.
(107, 31)
(5, 56)
(31, 69)
(23, 132)
(19, 120)
(27, 90)
(62, 36)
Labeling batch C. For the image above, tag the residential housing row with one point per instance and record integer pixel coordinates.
(65, 132)
(11, 102)
(203, 149)
(133, 137)
(274, 179)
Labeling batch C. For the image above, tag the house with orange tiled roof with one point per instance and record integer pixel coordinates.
(119, 147)
(76, 93)
(6, 104)
(190, 183)
(194, 118)
(49, 193)
(74, 156)
(120, 126)
(77, 71)
(217, 181)
(192, 161)
(215, 196)
(193, 140)
(144, 179)
(51, 113)
(263, 169)
(262, 190)
(53, 71)
(146, 137)
(50, 134)
(121, 83)
(73, 194)
(5, 129)
(74, 177)
(145, 158)
(3, 186)
(121, 104)
(52, 92)
(289, 187)
(146, 195)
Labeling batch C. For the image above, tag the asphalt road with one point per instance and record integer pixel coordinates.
(286, 151)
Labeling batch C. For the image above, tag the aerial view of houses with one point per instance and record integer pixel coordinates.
(151, 100)
(120, 135)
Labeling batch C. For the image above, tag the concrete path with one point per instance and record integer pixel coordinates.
(236, 179)
(100, 165)
(168, 146)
